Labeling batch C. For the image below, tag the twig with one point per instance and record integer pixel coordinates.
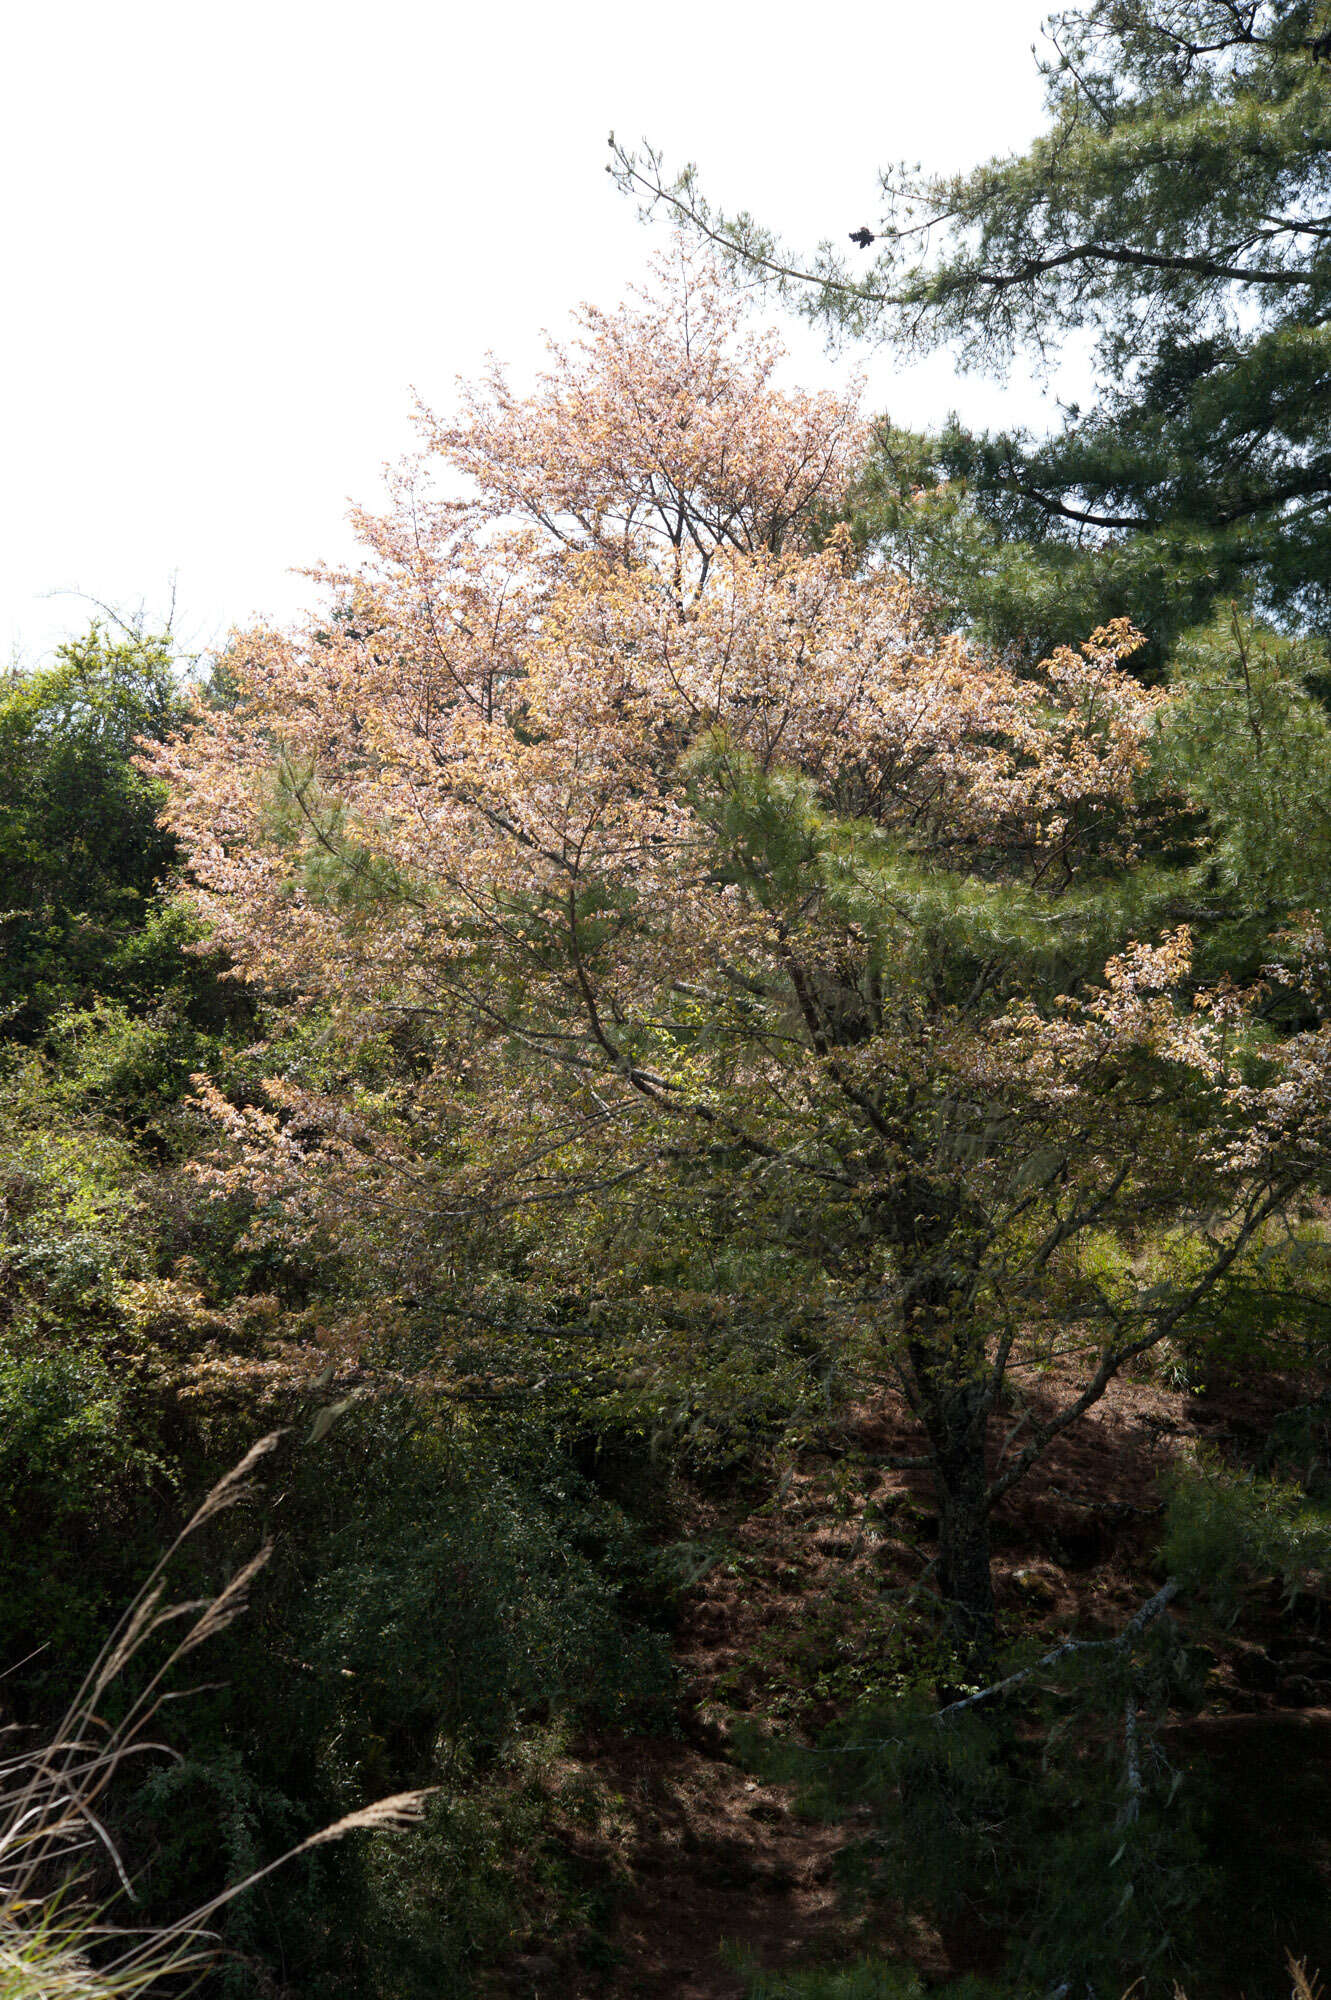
(1132, 1805)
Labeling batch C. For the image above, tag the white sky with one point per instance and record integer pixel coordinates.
(234, 236)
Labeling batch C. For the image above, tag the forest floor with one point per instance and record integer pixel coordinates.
(714, 1869)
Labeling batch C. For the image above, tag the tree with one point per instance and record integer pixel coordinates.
(1178, 206)
(722, 903)
(81, 853)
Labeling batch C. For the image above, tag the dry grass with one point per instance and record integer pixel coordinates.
(1303, 1984)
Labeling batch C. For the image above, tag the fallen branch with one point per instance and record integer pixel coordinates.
(1136, 1625)
(1143, 1617)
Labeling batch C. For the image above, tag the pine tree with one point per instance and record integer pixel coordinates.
(1177, 206)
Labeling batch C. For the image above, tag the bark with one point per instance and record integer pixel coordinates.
(964, 1574)
(951, 1396)
(955, 1413)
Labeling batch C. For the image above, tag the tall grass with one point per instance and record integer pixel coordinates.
(56, 1942)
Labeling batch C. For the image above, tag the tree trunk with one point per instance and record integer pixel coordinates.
(964, 1574)
(947, 1359)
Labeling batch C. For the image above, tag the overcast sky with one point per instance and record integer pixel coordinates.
(235, 236)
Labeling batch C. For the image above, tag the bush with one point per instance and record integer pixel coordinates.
(443, 1604)
(1031, 1818)
(1228, 1529)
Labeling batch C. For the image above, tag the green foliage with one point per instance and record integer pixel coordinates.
(445, 1599)
(444, 1902)
(93, 948)
(924, 928)
(1248, 740)
(1039, 1821)
(486, 1571)
(132, 1066)
(69, 1447)
(337, 868)
(1271, 1309)
(1229, 1530)
(61, 1918)
(934, 505)
(81, 853)
(77, 1458)
(1298, 1445)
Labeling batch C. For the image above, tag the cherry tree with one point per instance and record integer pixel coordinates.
(727, 883)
